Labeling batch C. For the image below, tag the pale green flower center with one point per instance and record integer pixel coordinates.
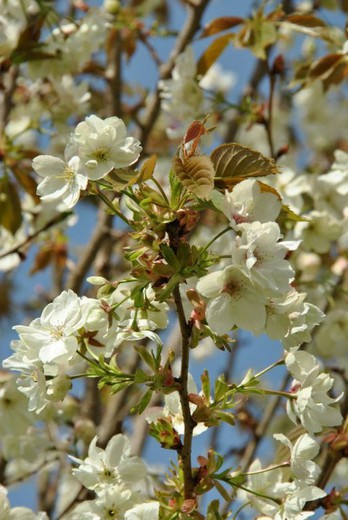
(57, 332)
(110, 475)
(101, 154)
(68, 174)
(111, 513)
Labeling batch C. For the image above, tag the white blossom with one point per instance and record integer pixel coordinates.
(302, 454)
(63, 180)
(102, 144)
(54, 335)
(233, 301)
(298, 493)
(260, 250)
(111, 504)
(113, 466)
(312, 404)
(303, 317)
(145, 511)
(32, 380)
(248, 203)
(318, 232)
(267, 483)
(181, 95)
(217, 79)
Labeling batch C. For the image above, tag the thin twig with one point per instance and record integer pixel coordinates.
(192, 25)
(101, 232)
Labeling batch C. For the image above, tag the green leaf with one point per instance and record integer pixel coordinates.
(225, 416)
(141, 376)
(288, 213)
(213, 511)
(143, 403)
(176, 190)
(170, 257)
(221, 388)
(168, 290)
(223, 492)
(234, 163)
(206, 385)
(211, 54)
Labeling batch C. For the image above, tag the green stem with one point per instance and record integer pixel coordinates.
(239, 486)
(155, 181)
(215, 238)
(288, 395)
(267, 369)
(114, 210)
(270, 468)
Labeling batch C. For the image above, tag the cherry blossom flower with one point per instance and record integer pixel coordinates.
(181, 95)
(233, 301)
(302, 454)
(260, 251)
(54, 335)
(247, 203)
(102, 144)
(112, 466)
(318, 232)
(312, 406)
(63, 180)
(111, 504)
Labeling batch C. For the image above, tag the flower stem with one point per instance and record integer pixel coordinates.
(215, 238)
(270, 367)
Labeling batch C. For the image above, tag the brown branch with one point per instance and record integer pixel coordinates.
(101, 233)
(192, 25)
(185, 451)
(6, 101)
(140, 427)
(17, 248)
(113, 75)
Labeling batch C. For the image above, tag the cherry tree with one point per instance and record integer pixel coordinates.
(216, 216)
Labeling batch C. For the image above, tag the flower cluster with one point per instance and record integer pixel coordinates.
(117, 479)
(255, 292)
(287, 498)
(94, 149)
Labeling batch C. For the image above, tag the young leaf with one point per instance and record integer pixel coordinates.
(147, 169)
(211, 54)
(196, 173)
(234, 163)
(10, 214)
(221, 24)
(142, 404)
(306, 20)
